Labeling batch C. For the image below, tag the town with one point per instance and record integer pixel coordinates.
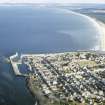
(68, 76)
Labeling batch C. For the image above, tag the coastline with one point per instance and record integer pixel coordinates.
(102, 36)
(101, 28)
(27, 79)
(37, 94)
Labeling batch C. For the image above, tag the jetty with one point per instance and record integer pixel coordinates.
(14, 64)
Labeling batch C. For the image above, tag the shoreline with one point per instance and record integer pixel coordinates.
(102, 37)
(101, 28)
(27, 80)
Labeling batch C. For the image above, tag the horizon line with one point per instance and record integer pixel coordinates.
(52, 3)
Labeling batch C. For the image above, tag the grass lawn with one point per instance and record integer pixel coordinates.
(88, 63)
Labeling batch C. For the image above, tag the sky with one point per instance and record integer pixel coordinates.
(52, 1)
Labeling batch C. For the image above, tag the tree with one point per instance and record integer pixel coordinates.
(88, 55)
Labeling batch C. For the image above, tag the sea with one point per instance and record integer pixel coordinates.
(38, 29)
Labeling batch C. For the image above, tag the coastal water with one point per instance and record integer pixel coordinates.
(42, 29)
(28, 29)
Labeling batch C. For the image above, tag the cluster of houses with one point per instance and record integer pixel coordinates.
(64, 77)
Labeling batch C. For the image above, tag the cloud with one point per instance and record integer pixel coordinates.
(52, 1)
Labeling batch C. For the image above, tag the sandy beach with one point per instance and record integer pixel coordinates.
(102, 36)
(100, 26)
